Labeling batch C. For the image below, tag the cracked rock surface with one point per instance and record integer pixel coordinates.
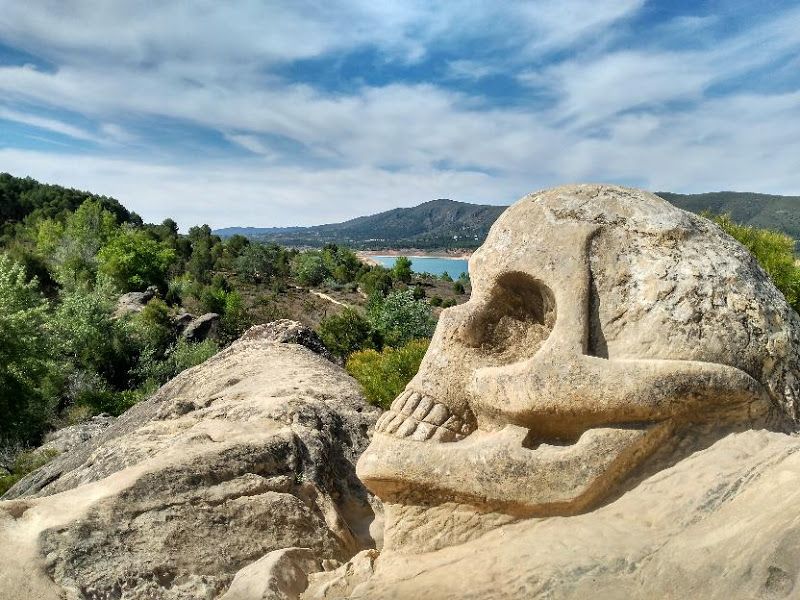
(249, 453)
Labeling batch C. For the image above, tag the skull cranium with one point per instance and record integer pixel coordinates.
(602, 320)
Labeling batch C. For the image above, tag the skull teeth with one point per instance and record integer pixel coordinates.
(421, 418)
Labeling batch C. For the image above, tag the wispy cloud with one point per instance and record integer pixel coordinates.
(383, 104)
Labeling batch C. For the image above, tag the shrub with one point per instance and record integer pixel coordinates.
(310, 269)
(385, 374)
(346, 333)
(400, 318)
(435, 301)
(376, 280)
(773, 250)
(458, 288)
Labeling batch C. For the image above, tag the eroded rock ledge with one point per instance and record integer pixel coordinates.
(251, 452)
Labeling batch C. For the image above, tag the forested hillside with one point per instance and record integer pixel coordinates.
(98, 309)
(436, 224)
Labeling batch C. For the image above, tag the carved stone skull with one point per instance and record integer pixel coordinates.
(602, 321)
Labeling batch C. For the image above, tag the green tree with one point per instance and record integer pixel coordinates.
(400, 318)
(376, 280)
(73, 247)
(24, 358)
(346, 333)
(310, 269)
(135, 261)
(262, 262)
(402, 269)
(385, 374)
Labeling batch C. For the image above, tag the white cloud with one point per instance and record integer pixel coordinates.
(53, 125)
(638, 113)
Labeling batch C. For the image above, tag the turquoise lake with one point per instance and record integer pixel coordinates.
(428, 264)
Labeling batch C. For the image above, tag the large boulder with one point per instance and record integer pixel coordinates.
(134, 302)
(249, 453)
(611, 415)
(722, 524)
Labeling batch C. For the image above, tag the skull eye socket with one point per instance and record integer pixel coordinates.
(516, 320)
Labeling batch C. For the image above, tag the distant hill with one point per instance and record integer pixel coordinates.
(449, 224)
(439, 223)
(759, 210)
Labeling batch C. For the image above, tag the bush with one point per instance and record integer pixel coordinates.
(310, 269)
(773, 250)
(400, 318)
(259, 262)
(346, 333)
(376, 280)
(383, 375)
(435, 301)
(458, 288)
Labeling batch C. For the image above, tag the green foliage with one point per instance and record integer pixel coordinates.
(773, 250)
(400, 318)
(385, 374)
(310, 269)
(341, 262)
(435, 301)
(190, 354)
(419, 292)
(85, 338)
(445, 277)
(262, 262)
(135, 261)
(448, 303)
(376, 280)
(402, 269)
(24, 463)
(24, 358)
(346, 333)
(73, 246)
(458, 288)
(27, 199)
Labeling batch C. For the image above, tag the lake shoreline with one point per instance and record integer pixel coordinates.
(366, 256)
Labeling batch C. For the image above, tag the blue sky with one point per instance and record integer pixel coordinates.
(280, 113)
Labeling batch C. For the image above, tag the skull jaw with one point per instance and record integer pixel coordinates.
(493, 474)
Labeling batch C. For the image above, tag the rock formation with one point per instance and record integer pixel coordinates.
(249, 453)
(201, 328)
(618, 391)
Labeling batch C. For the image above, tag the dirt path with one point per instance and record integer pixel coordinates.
(328, 298)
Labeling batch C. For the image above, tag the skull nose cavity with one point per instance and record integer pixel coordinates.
(514, 322)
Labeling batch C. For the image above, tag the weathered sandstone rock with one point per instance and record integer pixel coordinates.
(613, 343)
(249, 453)
(134, 302)
(71, 437)
(201, 328)
(722, 524)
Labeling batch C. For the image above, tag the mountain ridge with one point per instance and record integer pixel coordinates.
(446, 223)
